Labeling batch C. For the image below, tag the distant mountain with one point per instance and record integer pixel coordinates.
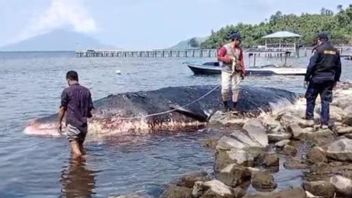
(58, 40)
(192, 43)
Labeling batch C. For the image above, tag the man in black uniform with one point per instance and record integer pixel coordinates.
(323, 71)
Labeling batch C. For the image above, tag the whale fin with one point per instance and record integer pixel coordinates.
(189, 113)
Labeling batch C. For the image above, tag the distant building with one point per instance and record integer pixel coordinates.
(283, 41)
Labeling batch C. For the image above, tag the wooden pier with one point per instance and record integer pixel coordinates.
(192, 53)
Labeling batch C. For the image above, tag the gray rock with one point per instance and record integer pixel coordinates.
(348, 109)
(227, 143)
(316, 155)
(243, 156)
(289, 193)
(137, 195)
(235, 156)
(282, 143)
(234, 175)
(276, 137)
(263, 181)
(293, 163)
(245, 139)
(289, 119)
(347, 120)
(342, 185)
(343, 129)
(296, 130)
(340, 150)
(342, 102)
(289, 150)
(256, 131)
(174, 191)
(320, 188)
(226, 119)
(189, 179)
(213, 188)
(271, 159)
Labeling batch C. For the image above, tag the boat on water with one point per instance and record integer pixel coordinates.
(213, 68)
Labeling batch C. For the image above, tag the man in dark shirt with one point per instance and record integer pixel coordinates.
(76, 104)
(323, 72)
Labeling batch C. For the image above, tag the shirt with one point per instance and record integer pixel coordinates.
(222, 56)
(77, 102)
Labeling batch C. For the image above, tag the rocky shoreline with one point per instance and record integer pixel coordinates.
(253, 149)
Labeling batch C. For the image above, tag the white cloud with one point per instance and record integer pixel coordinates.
(60, 13)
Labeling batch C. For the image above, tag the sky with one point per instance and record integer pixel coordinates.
(141, 24)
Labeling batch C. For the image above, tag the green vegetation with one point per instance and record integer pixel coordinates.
(339, 25)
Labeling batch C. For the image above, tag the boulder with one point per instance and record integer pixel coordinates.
(134, 195)
(213, 188)
(343, 129)
(226, 119)
(256, 131)
(320, 188)
(282, 143)
(174, 191)
(296, 130)
(272, 125)
(210, 143)
(276, 137)
(293, 163)
(237, 193)
(289, 150)
(342, 185)
(227, 143)
(347, 120)
(321, 136)
(348, 109)
(242, 157)
(342, 103)
(264, 182)
(189, 179)
(271, 159)
(289, 119)
(348, 135)
(245, 139)
(234, 175)
(316, 155)
(340, 150)
(289, 193)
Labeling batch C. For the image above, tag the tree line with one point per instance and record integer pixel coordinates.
(338, 24)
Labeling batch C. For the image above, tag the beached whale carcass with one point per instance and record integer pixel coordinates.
(166, 109)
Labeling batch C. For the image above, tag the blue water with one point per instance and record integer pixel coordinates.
(30, 86)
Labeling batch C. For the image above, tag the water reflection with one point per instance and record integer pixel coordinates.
(77, 180)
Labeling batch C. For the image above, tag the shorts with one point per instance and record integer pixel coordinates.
(75, 134)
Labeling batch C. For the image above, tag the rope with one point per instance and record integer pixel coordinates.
(172, 110)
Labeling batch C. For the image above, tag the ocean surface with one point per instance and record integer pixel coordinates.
(30, 87)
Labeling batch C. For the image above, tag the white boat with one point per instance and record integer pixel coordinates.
(213, 68)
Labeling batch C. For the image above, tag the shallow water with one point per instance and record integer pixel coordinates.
(30, 86)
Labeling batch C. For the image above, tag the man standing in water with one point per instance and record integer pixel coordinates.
(231, 55)
(76, 104)
(323, 72)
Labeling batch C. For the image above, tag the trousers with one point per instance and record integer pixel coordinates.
(230, 86)
(325, 91)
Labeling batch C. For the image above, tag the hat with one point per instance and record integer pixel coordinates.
(323, 36)
(235, 36)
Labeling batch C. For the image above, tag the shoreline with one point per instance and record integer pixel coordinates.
(251, 155)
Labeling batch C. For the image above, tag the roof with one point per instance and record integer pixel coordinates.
(282, 34)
